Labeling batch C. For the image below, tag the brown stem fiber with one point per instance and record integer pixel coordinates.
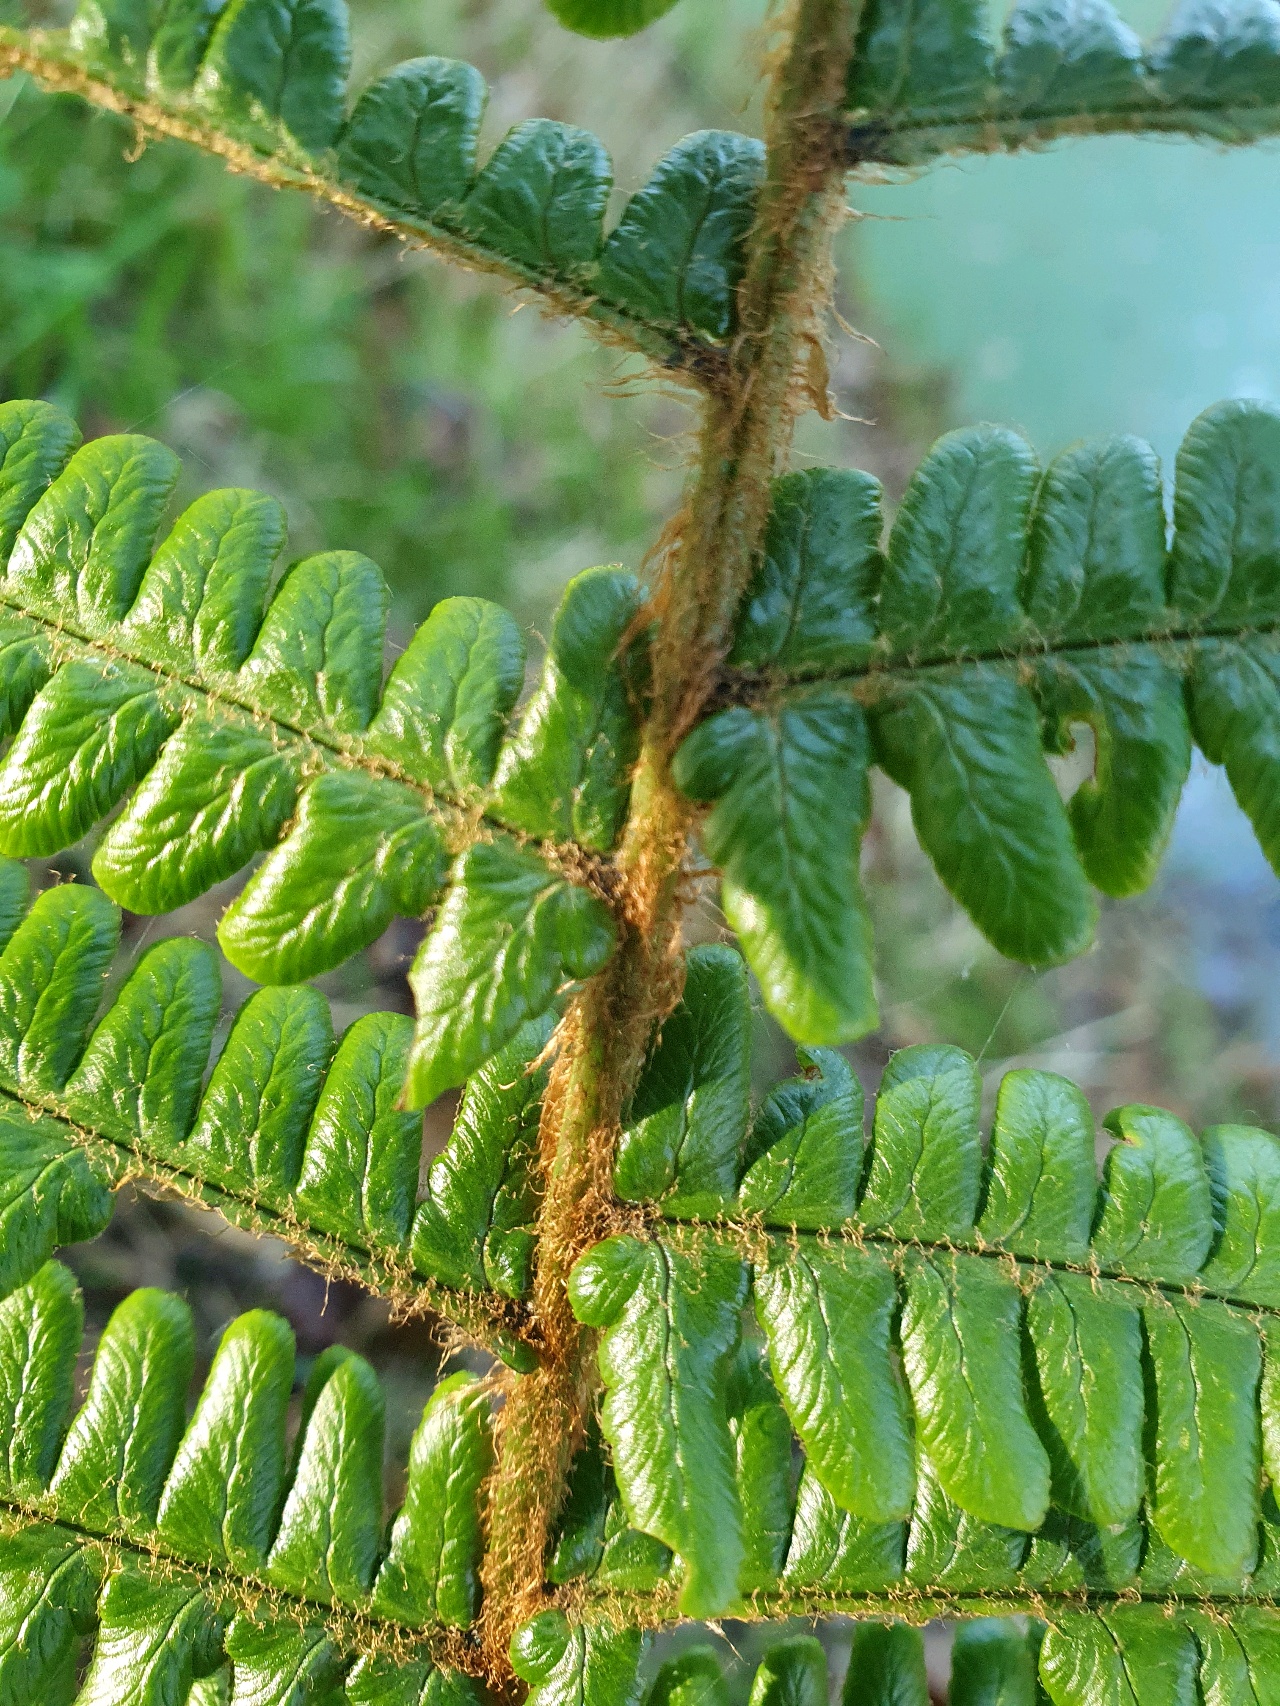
(744, 441)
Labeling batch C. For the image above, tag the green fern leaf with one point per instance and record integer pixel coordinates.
(671, 1323)
(680, 1140)
(431, 1571)
(113, 1464)
(1007, 608)
(780, 838)
(594, 1538)
(993, 1660)
(763, 1468)
(827, 1317)
(293, 1132)
(1121, 1656)
(473, 1228)
(244, 729)
(562, 776)
(806, 1144)
(564, 1663)
(263, 83)
(222, 1493)
(695, 1675)
(605, 18)
(510, 935)
(886, 1667)
(386, 1682)
(927, 79)
(51, 1193)
(1004, 1372)
(439, 104)
(793, 1672)
(541, 198)
(286, 61)
(145, 1492)
(359, 852)
(676, 251)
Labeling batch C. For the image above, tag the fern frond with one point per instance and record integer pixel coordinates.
(263, 85)
(1008, 607)
(130, 665)
(1011, 1381)
(185, 1544)
(294, 1133)
(1128, 1656)
(927, 80)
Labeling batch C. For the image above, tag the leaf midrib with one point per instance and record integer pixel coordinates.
(384, 1274)
(680, 351)
(864, 134)
(461, 824)
(917, 1604)
(248, 1592)
(741, 686)
(740, 1233)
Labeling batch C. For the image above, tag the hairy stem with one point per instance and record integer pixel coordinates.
(775, 368)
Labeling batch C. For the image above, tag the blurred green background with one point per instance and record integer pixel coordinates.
(466, 443)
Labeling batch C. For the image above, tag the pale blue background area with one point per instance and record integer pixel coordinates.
(1104, 285)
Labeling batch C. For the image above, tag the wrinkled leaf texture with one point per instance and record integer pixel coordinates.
(294, 1130)
(927, 78)
(1126, 1656)
(270, 77)
(1008, 609)
(139, 1522)
(149, 676)
(1006, 1374)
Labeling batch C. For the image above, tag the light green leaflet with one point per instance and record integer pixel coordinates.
(1127, 1656)
(153, 674)
(1004, 1371)
(671, 1325)
(603, 18)
(294, 1131)
(216, 1490)
(150, 677)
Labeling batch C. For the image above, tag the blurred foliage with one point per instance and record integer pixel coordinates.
(391, 404)
(274, 347)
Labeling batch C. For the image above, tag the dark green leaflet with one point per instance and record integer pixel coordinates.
(509, 937)
(993, 1361)
(681, 1138)
(788, 851)
(1010, 1386)
(215, 1492)
(474, 1228)
(152, 670)
(929, 80)
(604, 18)
(993, 1451)
(270, 76)
(295, 1130)
(1007, 608)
